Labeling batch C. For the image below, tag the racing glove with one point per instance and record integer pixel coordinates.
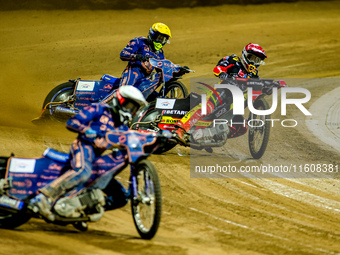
(91, 133)
(184, 69)
(141, 58)
(223, 76)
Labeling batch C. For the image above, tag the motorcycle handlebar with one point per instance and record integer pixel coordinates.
(186, 69)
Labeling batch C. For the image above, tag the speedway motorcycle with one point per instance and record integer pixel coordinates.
(68, 98)
(20, 178)
(206, 134)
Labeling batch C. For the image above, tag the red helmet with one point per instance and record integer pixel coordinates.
(252, 56)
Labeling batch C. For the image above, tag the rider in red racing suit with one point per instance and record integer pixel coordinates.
(232, 67)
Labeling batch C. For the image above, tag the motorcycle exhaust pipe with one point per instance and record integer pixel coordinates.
(63, 111)
(204, 145)
(10, 204)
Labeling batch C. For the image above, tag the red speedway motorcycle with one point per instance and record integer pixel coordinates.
(206, 133)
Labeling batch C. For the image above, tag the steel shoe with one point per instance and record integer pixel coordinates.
(42, 204)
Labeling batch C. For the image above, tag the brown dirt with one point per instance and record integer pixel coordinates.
(40, 49)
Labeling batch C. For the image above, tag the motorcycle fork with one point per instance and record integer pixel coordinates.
(133, 189)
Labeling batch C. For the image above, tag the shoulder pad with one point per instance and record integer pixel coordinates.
(234, 58)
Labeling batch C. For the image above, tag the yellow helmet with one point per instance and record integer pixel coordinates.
(159, 34)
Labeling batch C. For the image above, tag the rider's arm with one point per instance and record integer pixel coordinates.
(226, 66)
(130, 52)
(80, 122)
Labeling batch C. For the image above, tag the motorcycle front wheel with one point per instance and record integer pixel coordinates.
(176, 89)
(147, 206)
(259, 130)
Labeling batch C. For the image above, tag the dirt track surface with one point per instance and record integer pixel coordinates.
(41, 49)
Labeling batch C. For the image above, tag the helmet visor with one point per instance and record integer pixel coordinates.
(253, 59)
(160, 38)
(130, 106)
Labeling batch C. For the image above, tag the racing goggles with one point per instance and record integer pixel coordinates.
(253, 59)
(161, 38)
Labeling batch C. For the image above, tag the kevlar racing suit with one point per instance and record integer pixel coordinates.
(229, 67)
(85, 150)
(138, 69)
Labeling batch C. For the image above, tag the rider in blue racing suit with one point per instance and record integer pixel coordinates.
(91, 124)
(137, 53)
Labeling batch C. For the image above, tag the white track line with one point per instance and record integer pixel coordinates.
(258, 231)
(325, 119)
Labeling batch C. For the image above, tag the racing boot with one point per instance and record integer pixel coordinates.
(181, 136)
(190, 119)
(42, 204)
(238, 126)
(186, 123)
(237, 130)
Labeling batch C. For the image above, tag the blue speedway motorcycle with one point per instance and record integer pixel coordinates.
(68, 98)
(20, 179)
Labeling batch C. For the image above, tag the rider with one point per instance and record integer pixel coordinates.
(231, 67)
(91, 125)
(137, 53)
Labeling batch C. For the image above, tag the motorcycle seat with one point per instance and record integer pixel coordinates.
(56, 155)
(110, 78)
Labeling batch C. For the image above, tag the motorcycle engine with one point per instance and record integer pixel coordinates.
(90, 203)
(210, 135)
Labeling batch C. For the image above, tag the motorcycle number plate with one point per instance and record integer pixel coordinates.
(165, 103)
(85, 85)
(22, 165)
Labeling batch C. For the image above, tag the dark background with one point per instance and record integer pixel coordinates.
(120, 4)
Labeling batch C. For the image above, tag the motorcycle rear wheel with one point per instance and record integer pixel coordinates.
(60, 93)
(258, 136)
(11, 221)
(147, 207)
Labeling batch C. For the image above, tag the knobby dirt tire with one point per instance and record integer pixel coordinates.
(11, 221)
(55, 95)
(147, 174)
(59, 94)
(258, 137)
(170, 91)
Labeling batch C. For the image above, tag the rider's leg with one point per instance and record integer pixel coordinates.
(83, 155)
(192, 117)
(116, 195)
(147, 87)
(109, 97)
(129, 77)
